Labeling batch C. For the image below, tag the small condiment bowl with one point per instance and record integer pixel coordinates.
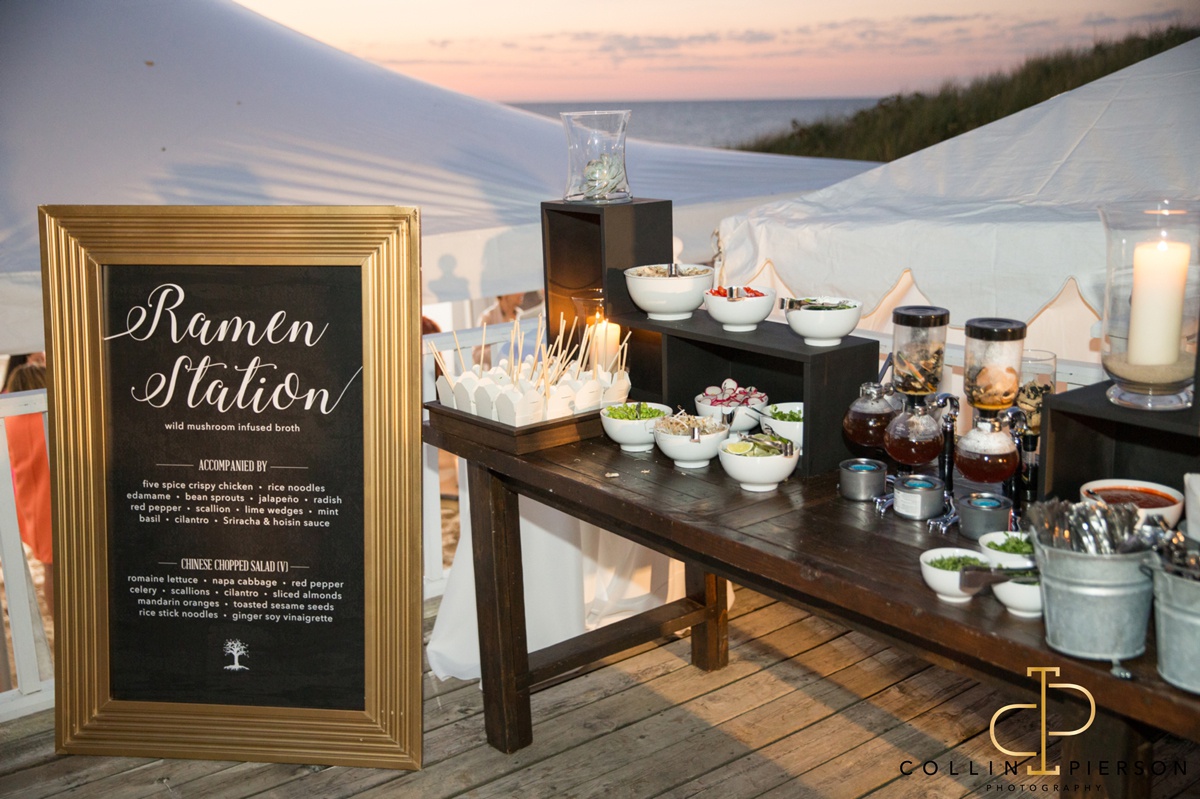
(1004, 560)
(824, 327)
(793, 431)
(943, 581)
(743, 418)
(634, 435)
(1169, 513)
(757, 472)
(688, 453)
(666, 297)
(1022, 597)
(739, 314)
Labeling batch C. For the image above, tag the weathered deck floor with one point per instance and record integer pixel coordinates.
(804, 708)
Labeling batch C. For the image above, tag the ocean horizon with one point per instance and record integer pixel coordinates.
(712, 123)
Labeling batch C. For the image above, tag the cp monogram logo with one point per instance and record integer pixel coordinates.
(1042, 671)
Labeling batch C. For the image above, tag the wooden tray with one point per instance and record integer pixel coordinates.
(517, 440)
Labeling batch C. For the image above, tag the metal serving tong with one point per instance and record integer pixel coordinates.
(786, 447)
(973, 579)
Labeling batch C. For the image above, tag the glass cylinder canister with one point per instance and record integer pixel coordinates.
(992, 363)
(918, 348)
(1151, 302)
(596, 157)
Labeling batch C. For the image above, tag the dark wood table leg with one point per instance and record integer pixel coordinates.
(710, 639)
(500, 606)
(1107, 753)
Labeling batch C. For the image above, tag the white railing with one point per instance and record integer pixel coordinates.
(434, 572)
(34, 690)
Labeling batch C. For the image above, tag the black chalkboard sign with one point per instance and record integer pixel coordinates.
(235, 445)
(236, 484)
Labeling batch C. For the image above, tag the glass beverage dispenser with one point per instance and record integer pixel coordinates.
(991, 379)
(915, 436)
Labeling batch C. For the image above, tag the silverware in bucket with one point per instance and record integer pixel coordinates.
(1177, 622)
(1095, 606)
(1096, 591)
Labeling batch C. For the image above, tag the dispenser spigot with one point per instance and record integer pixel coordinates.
(949, 405)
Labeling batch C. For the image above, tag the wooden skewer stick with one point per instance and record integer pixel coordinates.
(437, 358)
(458, 349)
(617, 356)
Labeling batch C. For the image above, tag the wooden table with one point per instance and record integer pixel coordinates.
(803, 544)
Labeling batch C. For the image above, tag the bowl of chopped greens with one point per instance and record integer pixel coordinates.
(1007, 550)
(784, 419)
(631, 424)
(1022, 595)
(823, 321)
(759, 462)
(940, 568)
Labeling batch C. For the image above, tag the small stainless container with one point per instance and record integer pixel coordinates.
(981, 512)
(862, 479)
(919, 496)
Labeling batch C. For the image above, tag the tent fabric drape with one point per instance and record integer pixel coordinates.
(206, 103)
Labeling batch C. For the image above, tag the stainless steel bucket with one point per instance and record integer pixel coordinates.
(1177, 629)
(1095, 606)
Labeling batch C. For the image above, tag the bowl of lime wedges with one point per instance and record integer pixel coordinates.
(759, 462)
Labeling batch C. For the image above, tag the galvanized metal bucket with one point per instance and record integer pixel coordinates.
(1095, 606)
(1177, 629)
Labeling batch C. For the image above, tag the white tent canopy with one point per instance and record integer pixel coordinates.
(205, 102)
(998, 220)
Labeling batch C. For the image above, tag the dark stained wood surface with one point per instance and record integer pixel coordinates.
(805, 544)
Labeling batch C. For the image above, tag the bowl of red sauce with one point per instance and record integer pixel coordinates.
(1152, 499)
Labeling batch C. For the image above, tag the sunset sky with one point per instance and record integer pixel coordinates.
(545, 50)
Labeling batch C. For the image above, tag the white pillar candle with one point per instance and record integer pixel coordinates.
(1156, 306)
(606, 338)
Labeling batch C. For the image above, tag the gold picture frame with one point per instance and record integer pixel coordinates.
(84, 248)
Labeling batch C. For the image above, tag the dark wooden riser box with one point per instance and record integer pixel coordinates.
(1089, 438)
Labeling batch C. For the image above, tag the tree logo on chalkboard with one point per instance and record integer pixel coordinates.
(239, 650)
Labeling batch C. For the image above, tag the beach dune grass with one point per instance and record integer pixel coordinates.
(902, 124)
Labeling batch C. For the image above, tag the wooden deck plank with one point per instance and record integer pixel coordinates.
(559, 776)
(723, 742)
(589, 722)
(875, 762)
(753, 616)
(780, 721)
(816, 737)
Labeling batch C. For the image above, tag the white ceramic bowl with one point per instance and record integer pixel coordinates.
(665, 298)
(634, 435)
(824, 328)
(1022, 599)
(1170, 513)
(793, 431)
(740, 315)
(689, 454)
(744, 418)
(1004, 560)
(757, 472)
(944, 582)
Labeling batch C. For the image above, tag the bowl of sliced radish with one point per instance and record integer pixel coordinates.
(739, 407)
